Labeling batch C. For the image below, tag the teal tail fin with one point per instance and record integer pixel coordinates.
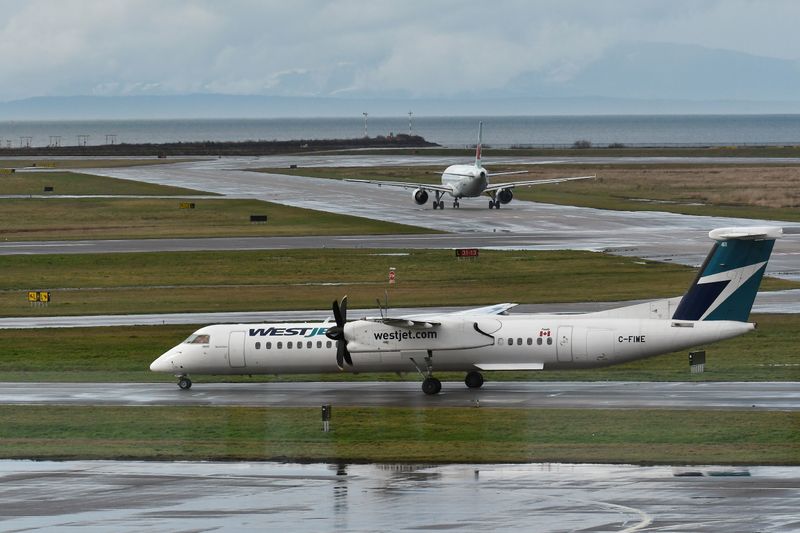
(728, 281)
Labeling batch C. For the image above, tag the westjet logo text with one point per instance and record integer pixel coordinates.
(405, 335)
(283, 332)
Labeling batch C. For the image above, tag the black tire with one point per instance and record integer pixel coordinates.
(491, 204)
(431, 386)
(474, 380)
(185, 383)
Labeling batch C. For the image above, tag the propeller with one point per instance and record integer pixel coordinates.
(336, 333)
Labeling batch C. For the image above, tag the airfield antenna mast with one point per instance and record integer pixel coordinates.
(365, 123)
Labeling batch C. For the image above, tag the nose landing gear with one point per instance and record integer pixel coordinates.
(184, 382)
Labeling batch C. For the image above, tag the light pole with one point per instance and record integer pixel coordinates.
(365, 124)
(409, 122)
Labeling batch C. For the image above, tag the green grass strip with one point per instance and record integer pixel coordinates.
(437, 435)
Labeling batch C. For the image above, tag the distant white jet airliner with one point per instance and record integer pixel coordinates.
(715, 307)
(460, 181)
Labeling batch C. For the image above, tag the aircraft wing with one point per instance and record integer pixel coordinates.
(509, 172)
(404, 322)
(431, 319)
(530, 183)
(496, 309)
(405, 185)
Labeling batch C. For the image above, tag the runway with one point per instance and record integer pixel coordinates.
(129, 496)
(653, 235)
(768, 396)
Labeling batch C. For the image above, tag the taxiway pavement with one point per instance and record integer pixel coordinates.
(522, 225)
(772, 396)
(128, 496)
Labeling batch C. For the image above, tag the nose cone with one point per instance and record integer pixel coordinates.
(163, 363)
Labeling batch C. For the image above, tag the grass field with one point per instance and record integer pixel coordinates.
(73, 183)
(764, 192)
(435, 435)
(310, 279)
(128, 218)
(87, 162)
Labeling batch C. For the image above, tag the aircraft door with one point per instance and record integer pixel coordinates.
(564, 344)
(236, 349)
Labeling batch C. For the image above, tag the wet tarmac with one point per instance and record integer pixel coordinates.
(654, 235)
(765, 396)
(127, 496)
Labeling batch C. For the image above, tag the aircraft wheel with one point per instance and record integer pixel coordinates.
(474, 380)
(491, 204)
(431, 386)
(185, 383)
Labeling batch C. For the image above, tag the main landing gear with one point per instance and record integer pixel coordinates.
(184, 382)
(474, 380)
(430, 385)
(438, 203)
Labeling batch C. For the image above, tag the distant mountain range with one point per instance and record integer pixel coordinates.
(630, 78)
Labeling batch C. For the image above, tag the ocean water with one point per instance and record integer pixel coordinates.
(635, 130)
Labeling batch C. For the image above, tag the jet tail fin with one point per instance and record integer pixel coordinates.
(478, 146)
(728, 281)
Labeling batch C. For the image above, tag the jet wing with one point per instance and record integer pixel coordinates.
(530, 183)
(405, 185)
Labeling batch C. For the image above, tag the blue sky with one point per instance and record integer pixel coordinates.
(412, 48)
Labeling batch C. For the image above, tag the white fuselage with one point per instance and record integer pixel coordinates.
(465, 180)
(515, 342)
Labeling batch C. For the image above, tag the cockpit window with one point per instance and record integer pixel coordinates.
(199, 339)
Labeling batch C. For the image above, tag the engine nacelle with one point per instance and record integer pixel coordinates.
(504, 196)
(420, 196)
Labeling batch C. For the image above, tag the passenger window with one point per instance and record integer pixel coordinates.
(299, 345)
(319, 344)
(309, 344)
(539, 341)
(530, 341)
(258, 346)
(280, 345)
(510, 341)
(519, 341)
(549, 341)
(329, 344)
(269, 346)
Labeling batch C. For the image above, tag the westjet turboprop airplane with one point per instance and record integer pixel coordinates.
(716, 307)
(460, 181)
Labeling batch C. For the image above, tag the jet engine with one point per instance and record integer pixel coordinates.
(504, 196)
(420, 196)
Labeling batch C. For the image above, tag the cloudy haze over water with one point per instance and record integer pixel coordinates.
(673, 49)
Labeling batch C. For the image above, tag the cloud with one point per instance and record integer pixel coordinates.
(378, 47)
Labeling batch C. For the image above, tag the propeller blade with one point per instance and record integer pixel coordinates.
(336, 333)
(339, 355)
(337, 315)
(343, 309)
